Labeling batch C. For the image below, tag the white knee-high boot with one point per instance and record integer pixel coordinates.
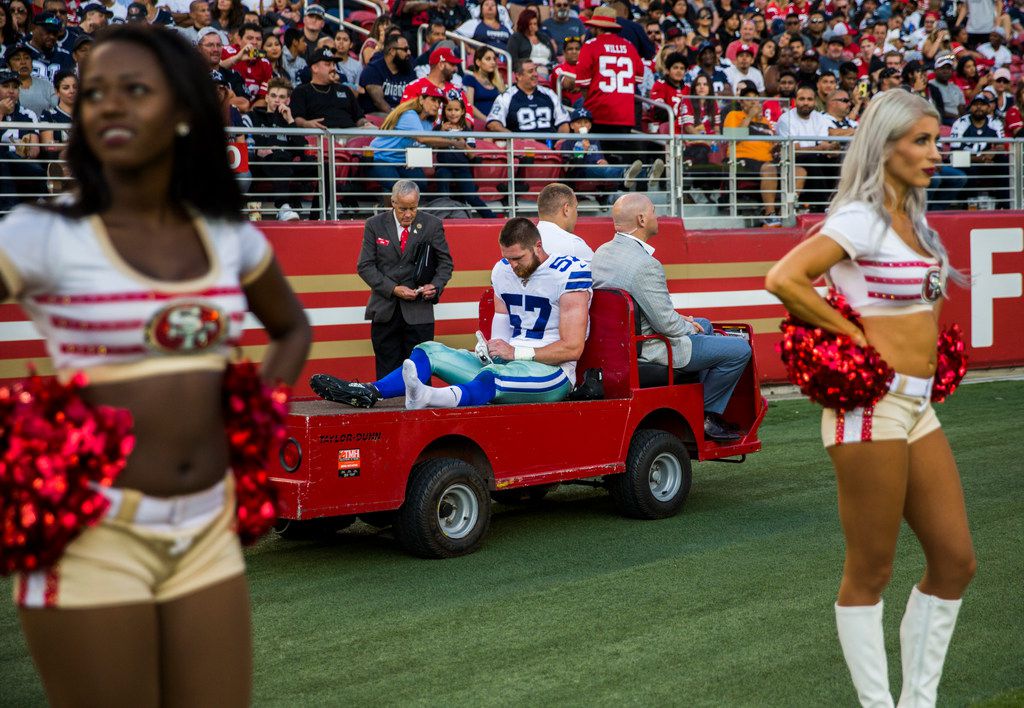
(860, 635)
(924, 637)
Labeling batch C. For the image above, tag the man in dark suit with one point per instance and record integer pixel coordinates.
(401, 313)
(628, 262)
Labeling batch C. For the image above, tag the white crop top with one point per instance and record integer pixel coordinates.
(101, 316)
(883, 276)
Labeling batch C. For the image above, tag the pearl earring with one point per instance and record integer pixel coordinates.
(182, 129)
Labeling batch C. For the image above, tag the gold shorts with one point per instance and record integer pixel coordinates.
(147, 549)
(897, 416)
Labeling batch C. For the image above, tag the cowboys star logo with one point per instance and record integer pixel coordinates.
(933, 286)
(186, 328)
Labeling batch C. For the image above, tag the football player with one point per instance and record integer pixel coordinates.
(541, 316)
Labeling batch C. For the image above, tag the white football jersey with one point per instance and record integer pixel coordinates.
(533, 309)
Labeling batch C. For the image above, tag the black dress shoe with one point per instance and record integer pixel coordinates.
(714, 430)
(330, 388)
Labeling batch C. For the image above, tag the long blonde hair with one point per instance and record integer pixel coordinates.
(413, 104)
(888, 118)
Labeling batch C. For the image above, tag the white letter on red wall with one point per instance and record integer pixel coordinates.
(987, 286)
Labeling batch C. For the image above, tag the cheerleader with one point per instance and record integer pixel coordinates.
(142, 280)
(892, 460)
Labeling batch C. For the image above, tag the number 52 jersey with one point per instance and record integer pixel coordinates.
(533, 309)
(612, 66)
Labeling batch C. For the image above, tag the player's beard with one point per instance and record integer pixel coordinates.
(528, 269)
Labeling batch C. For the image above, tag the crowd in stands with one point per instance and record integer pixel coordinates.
(805, 70)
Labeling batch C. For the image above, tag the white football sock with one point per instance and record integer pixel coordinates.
(420, 395)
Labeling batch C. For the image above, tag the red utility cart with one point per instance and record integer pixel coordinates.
(432, 473)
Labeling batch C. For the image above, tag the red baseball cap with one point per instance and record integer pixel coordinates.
(749, 49)
(443, 54)
(432, 90)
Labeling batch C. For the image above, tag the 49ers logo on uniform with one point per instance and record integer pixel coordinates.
(186, 327)
(933, 286)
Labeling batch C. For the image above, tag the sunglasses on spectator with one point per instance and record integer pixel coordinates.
(1002, 81)
(17, 11)
(561, 4)
(841, 100)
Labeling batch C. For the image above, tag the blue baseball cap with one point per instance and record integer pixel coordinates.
(580, 114)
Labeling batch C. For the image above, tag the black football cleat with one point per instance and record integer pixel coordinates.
(715, 430)
(352, 393)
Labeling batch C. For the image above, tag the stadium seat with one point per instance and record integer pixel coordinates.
(490, 171)
(538, 164)
(350, 162)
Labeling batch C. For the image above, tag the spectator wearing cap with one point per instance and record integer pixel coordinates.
(995, 49)
(562, 24)
(450, 13)
(211, 46)
(154, 15)
(80, 50)
(748, 35)
(707, 64)
(66, 90)
(36, 93)
(953, 100)
(248, 59)
(834, 56)
(610, 98)
(47, 58)
(987, 172)
(94, 16)
(566, 72)
(199, 18)
(999, 92)
(69, 32)
(531, 42)
(807, 68)
(417, 115)
(443, 66)
(489, 28)
(313, 21)
(755, 157)
(675, 19)
(588, 162)
(384, 79)
(806, 126)
(742, 69)
(18, 147)
(324, 102)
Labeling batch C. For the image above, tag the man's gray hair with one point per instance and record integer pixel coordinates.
(403, 187)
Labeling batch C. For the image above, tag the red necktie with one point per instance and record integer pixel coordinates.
(405, 240)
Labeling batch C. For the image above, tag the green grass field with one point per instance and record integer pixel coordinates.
(727, 604)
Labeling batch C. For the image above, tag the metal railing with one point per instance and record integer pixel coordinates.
(339, 174)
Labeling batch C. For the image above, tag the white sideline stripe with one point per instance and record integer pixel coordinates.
(328, 316)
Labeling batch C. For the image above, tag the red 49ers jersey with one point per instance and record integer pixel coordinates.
(255, 73)
(610, 69)
(666, 93)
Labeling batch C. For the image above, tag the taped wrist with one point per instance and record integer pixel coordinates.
(524, 353)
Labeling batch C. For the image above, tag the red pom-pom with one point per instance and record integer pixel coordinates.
(829, 368)
(254, 420)
(951, 363)
(55, 448)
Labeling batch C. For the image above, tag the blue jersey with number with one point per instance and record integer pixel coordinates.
(521, 112)
(532, 304)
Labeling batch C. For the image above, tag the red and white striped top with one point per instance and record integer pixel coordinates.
(101, 316)
(883, 275)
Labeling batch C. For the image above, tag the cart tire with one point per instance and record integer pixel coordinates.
(657, 477)
(446, 512)
(523, 495)
(311, 529)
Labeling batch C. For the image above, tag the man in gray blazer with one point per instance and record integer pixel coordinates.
(628, 262)
(401, 313)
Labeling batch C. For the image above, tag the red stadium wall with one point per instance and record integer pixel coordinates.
(717, 274)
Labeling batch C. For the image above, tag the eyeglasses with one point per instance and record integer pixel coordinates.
(1002, 81)
(817, 22)
(401, 49)
(841, 100)
(18, 11)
